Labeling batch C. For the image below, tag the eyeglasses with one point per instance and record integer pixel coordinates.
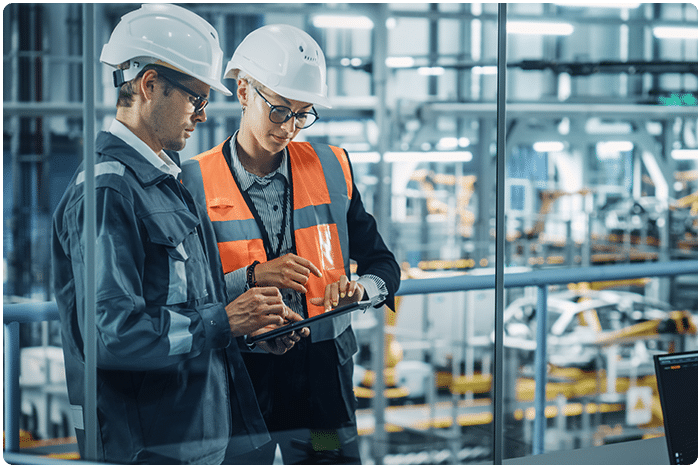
(280, 114)
(199, 102)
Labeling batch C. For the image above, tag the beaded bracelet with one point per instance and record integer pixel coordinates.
(250, 275)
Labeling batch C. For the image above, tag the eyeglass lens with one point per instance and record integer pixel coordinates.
(199, 102)
(280, 114)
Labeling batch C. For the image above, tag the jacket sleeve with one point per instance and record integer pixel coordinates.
(368, 249)
(133, 334)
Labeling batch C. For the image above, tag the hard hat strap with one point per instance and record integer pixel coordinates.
(130, 70)
(118, 77)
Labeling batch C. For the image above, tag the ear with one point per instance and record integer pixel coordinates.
(243, 92)
(147, 85)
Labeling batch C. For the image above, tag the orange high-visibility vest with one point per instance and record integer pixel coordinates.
(322, 189)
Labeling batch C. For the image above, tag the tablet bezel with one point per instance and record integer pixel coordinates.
(279, 332)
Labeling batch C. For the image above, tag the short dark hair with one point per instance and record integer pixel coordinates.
(126, 90)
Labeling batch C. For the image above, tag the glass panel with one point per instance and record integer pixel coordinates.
(593, 192)
(601, 165)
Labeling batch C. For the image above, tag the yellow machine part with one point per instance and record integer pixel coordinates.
(389, 393)
(477, 384)
(584, 384)
(569, 410)
(682, 319)
(27, 441)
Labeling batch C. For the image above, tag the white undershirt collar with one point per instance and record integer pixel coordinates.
(161, 161)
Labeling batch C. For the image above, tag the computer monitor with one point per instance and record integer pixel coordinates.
(677, 381)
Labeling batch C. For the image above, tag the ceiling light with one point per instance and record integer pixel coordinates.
(606, 149)
(598, 5)
(431, 71)
(485, 70)
(665, 32)
(435, 156)
(539, 28)
(595, 126)
(400, 62)
(342, 22)
(684, 154)
(448, 143)
(548, 146)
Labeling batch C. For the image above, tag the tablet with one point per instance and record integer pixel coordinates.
(361, 305)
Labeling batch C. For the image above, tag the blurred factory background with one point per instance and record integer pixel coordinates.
(601, 169)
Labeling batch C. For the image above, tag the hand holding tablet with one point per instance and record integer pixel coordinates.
(281, 331)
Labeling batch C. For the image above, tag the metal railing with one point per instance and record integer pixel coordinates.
(542, 279)
(14, 314)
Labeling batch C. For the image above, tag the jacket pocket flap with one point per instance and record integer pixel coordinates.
(170, 228)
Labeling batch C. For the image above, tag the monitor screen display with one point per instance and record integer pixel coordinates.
(677, 381)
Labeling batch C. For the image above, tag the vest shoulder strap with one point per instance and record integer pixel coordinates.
(217, 178)
(311, 157)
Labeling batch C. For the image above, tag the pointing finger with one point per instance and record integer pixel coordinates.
(311, 266)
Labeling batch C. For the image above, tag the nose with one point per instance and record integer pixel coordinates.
(200, 117)
(290, 126)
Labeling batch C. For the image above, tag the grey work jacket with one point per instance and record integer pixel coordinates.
(170, 387)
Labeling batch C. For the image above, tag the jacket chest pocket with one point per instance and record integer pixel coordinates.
(178, 252)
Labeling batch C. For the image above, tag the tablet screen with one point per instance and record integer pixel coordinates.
(362, 305)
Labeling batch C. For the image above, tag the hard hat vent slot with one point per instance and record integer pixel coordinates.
(311, 58)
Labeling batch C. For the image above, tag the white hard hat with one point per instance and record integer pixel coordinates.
(284, 59)
(168, 35)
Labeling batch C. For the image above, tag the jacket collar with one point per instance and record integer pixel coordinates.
(114, 147)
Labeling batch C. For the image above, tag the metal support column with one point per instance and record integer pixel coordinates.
(11, 387)
(383, 216)
(90, 339)
(380, 77)
(500, 239)
(540, 371)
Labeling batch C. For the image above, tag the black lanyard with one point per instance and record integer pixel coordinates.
(267, 240)
(280, 236)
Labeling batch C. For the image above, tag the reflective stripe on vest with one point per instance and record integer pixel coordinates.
(322, 187)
